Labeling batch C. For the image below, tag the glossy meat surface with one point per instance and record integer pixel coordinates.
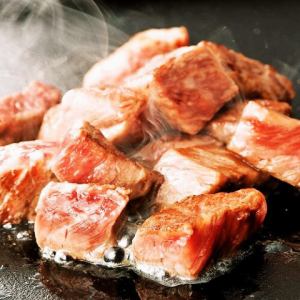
(87, 157)
(141, 79)
(79, 219)
(24, 171)
(140, 48)
(269, 141)
(115, 111)
(153, 151)
(190, 88)
(223, 126)
(200, 170)
(184, 238)
(255, 79)
(21, 114)
(189, 85)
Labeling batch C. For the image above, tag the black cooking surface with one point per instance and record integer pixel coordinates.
(262, 30)
(271, 272)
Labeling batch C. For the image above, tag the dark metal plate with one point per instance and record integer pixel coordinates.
(272, 272)
(263, 30)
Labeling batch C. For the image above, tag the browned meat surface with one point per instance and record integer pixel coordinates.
(21, 114)
(50, 131)
(24, 171)
(200, 170)
(189, 85)
(87, 157)
(115, 111)
(184, 238)
(281, 107)
(190, 88)
(141, 79)
(81, 220)
(270, 141)
(223, 126)
(127, 59)
(153, 151)
(255, 79)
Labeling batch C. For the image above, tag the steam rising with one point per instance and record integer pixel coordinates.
(224, 36)
(45, 40)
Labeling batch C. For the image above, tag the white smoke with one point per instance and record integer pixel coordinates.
(224, 35)
(46, 40)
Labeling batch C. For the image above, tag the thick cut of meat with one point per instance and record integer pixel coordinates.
(127, 59)
(223, 126)
(183, 238)
(49, 130)
(200, 170)
(270, 141)
(255, 79)
(21, 114)
(79, 219)
(87, 157)
(141, 79)
(189, 88)
(24, 171)
(152, 152)
(115, 111)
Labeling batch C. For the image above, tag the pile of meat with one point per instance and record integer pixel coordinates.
(159, 129)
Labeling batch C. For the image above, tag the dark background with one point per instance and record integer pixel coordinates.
(264, 30)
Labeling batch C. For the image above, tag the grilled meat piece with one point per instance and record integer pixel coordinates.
(184, 238)
(141, 79)
(190, 88)
(21, 114)
(200, 170)
(87, 157)
(223, 126)
(187, 86)
(255, 79)
(79, 219)
(152, 152)
(24, 171)
(269, 141)
(127, 59)
(115, 111)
